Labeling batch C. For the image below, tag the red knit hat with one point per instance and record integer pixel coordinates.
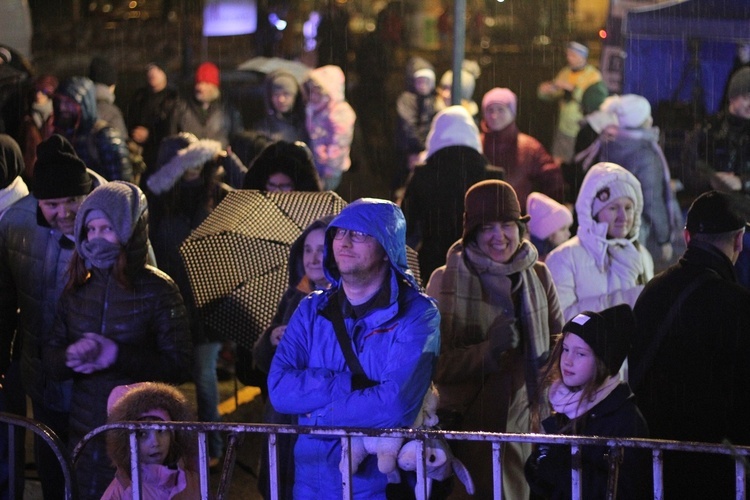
(208, 73)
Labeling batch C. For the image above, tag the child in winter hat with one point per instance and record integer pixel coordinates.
(330, 123)
(550, 222)
(470, 71)
(424, 81)
(582, 387)
(632, 111)
(453, 126)
(167, 459)
(607, 333)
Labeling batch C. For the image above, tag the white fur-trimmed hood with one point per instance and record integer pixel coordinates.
(196, 154)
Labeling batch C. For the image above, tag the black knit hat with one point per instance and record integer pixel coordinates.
(715, 212)
(606, 332)
(58, 171)
(101, 71)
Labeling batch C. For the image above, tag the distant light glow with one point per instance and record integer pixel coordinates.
(276, 21)
(602, 34)
(133, 4)
(310, 30)
(230, 17)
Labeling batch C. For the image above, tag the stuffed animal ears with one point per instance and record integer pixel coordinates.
(462, 473)
(441, 464)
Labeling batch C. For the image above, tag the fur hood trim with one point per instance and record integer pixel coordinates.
(195, 155)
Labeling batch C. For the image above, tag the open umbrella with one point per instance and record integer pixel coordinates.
(237, 258)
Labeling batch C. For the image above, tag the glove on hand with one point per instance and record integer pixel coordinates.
(503, 335)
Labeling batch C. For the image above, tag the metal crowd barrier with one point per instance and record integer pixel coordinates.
(236, 432)
(54, 442)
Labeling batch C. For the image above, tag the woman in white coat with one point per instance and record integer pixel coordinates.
(603, 265)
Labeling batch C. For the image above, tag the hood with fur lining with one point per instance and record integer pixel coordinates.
(194, 155)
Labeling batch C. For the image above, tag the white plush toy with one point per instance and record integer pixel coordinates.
(387, 449)
(439, 460)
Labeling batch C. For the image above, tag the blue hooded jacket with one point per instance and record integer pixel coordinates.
(397, 346)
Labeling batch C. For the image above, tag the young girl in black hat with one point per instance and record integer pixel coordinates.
(581, 384)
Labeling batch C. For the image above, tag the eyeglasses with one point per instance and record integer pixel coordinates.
(284, 186)
(355, 236)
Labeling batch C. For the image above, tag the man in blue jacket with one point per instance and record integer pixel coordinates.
(393, 330)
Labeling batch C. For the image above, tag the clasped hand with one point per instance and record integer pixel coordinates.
(91, 353)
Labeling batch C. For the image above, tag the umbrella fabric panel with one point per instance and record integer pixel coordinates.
(250, 213)
(305, 207)
(237, 258)
(219, 263)
(245, 313)
(412, 260)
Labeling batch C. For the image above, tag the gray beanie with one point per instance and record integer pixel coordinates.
(121, 202)
(739, 84)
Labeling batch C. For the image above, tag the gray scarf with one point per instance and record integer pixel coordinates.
(100, 253)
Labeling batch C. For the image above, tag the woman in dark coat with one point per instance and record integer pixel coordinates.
(305, 276)
(120, 321)
(283, 166)
(183, 190)
(285, 109)
(434, 200)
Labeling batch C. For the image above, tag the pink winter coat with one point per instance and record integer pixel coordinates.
(331, 127)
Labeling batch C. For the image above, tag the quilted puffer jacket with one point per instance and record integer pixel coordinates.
(33, 261)
(101, 146)
(149, 324)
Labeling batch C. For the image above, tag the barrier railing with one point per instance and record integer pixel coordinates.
(237, 431)
(54, 442)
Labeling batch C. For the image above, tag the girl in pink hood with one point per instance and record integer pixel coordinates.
(330, 123)
(167, 459)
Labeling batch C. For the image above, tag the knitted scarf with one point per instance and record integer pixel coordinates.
(569, 402)
(472, 281)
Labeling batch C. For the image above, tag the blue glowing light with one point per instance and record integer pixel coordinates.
(230, 17)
